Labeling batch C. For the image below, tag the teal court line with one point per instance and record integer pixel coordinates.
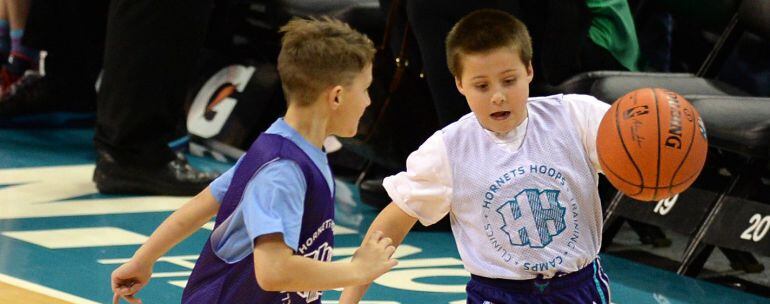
(429, 270)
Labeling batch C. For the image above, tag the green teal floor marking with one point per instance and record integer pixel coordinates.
(49, 209)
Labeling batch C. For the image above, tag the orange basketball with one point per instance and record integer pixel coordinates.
(651, 144)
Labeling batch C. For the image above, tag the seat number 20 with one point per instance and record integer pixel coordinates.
(757, 229)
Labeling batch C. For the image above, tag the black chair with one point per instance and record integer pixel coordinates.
(751, 16)
(739, 141)
(718, 210)
(739, 126)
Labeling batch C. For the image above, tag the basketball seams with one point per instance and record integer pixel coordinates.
(641, 187)
(606, 168)
(689, 148)
(623, 144)
(657, 116)
(672, 162)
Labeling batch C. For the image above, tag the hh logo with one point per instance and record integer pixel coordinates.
(537, 230)
(324, 254)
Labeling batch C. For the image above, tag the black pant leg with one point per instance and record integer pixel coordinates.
(72, 33)
(151, 50)
(431, 21)
(596, 58)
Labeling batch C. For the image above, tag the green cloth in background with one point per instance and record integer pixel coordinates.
(612, 27)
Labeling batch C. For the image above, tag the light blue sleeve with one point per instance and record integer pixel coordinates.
(273, 202)
(219, 185)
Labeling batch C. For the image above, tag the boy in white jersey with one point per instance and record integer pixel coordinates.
(518, 176)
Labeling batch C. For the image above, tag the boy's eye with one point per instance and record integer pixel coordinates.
(481, 86)
(509, 80)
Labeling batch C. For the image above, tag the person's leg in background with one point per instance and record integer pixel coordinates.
(560, 35)
(5, 31)
(655, 41)
(21, 58)
(430, 26)
(431, 21)
(72, 34)
(150, 53)
(593, 57)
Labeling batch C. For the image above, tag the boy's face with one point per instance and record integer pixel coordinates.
(496, 85)
(352, 101)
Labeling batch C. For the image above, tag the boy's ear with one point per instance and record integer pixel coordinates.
(459, 85)
(530, 72)
(334, 97)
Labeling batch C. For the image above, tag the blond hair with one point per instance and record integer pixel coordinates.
(485, 30)
(319, 53)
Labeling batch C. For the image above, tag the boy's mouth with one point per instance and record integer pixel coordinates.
(501, 115)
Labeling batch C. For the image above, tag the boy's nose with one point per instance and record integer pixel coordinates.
(498, 98)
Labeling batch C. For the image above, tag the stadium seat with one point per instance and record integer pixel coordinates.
(718, 211)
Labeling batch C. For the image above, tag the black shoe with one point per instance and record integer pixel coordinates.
(25, 96)
(374, 186)
(37, 94)
(174, 178)
(373, 193)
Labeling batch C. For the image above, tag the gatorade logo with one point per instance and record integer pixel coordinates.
(214, 103)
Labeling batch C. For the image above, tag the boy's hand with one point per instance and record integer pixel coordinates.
(128, 279)
(373, 258)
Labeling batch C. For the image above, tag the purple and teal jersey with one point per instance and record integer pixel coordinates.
(260, 212)
(250, 208)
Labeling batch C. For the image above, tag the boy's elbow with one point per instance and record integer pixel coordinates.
(269, 284)
(271, 279)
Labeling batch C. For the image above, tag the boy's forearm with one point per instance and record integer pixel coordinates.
(395, 224)
(299, 273)
(178, 226)
(353, 294)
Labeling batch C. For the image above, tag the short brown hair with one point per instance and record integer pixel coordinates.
(319, 53)
(485, 30)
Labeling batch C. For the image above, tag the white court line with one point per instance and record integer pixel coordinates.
(171, 274)
(341, 230)
(78, 237)
(44, 290)
(367, 302)
(338, 230)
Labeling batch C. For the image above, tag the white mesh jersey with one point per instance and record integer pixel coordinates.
(514, 214)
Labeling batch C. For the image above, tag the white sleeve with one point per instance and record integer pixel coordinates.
(587, 112)
(424, 191)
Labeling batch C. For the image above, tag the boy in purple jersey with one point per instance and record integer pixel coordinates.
(272, 241)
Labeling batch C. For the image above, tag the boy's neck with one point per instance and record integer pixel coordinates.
(308, 123)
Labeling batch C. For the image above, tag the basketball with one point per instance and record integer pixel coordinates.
(651, 144)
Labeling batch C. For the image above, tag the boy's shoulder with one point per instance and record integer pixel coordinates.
(548, 103)
(563, 99)
(271, 149)
(465, 120)
(270, 145)
(550, 100)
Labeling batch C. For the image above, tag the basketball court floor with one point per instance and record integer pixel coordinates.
(60, 239)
